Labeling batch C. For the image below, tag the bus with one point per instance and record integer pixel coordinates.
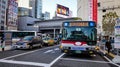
(79, 37)
(19, 34)
(11, 37)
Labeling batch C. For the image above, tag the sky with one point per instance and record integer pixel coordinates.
(50, 6)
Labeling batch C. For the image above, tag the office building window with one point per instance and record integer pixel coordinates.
(99, 4)
(104, 10)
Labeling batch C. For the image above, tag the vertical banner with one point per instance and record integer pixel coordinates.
(92, 8)
(95, 10)
(117, 34)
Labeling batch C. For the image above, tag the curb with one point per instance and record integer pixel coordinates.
(6, 48)
(105, 52)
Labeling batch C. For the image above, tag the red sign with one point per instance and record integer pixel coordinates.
(95, 10)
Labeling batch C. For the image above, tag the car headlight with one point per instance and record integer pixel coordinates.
(97, 48)
(61, 46)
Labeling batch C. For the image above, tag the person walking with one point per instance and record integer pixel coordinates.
(2, 44)
(108, 45)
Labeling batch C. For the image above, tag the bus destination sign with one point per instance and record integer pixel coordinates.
(79, 24)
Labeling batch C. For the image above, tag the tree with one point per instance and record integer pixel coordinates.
(108, 22)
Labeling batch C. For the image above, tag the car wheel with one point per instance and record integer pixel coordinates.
(41, 45)
(30, 47)
(62, 51)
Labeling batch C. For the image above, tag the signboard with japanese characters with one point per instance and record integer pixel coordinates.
(117, 34)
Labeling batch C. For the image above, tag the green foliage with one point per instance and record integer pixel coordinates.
(108, 22)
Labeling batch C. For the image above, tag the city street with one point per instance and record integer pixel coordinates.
(50, 57)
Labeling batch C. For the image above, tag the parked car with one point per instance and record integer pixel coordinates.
(28, 42)
(56, 40)
(48, 41)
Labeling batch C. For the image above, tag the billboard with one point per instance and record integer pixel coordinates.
(62, 10)
(117, 34)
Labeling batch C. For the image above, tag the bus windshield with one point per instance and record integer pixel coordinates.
(79, 33)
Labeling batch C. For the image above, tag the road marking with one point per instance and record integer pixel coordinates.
(27, 52)
(56, 49)
(111, 61)
(48, 51)
(84, 60)
(25, 63)
(110, 54)
(52, 51)
(56, 59)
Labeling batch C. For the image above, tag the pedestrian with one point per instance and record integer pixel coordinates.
(108, 45)
(2, 42)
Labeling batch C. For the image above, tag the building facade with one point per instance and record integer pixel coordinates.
(38, 8)
(103, 7)
(32, 8)
(46, 16)
(106, 6)
(26, 23)
(12, 13)
(52, 27)
(87, 10)
(3, 7)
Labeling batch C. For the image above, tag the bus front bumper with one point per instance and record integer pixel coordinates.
(78, 51)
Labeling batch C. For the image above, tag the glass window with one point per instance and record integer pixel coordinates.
(29, 38)
(77, 33)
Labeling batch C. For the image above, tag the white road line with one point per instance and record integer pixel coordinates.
(27, 53)
(56, 49)
(25, 63)
(56, 59)
(48, 51)
(111, 61)
(84, 60)
(52, 51)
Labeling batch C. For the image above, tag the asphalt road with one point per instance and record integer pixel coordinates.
(50, 57)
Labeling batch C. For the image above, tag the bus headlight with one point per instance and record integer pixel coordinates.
(61, 46)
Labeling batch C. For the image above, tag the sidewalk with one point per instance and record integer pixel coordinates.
(8, 47)
(112, 55)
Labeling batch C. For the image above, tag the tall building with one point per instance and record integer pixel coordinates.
(38, 8)
(3, 7)
(32, 8)
(106, 6)
(103, 7)
(87, 9)
(46, 16)
(12, 13)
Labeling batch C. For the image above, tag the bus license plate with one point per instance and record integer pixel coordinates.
(78, 48)
(77, 51)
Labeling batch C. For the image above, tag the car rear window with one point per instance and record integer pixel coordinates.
(29, 38)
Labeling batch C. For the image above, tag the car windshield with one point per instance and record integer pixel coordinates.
(29, 38)
(47, 38)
